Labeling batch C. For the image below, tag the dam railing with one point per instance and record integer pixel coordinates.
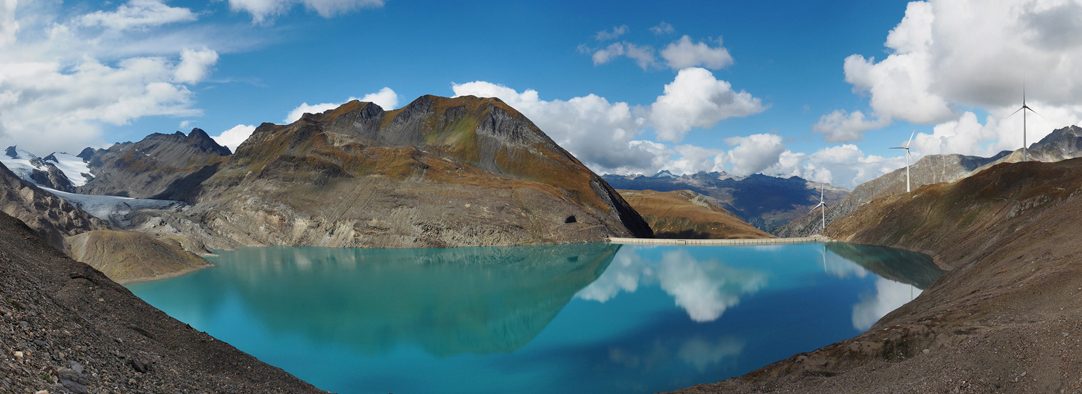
(756, 241)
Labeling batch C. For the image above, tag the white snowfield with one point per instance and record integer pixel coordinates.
(22, 164)
(73, 167)
(110, 207)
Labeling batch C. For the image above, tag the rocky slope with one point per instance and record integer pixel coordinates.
(68, 328)
(766, 202)
(1004, 318)
(438, 172)
(161, 166)
(1062, 144)
(122, 255)
(928, 170)
(686, 214)
(128, 256)
(53, 218)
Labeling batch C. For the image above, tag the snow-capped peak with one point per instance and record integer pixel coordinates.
(13, 152)
(664, 174)
(24, 164)
(73, 167)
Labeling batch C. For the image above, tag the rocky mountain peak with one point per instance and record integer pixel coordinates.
(199, 138)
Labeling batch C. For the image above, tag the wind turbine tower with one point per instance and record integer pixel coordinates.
(1024, 108)
(822, 204)
(906, 148)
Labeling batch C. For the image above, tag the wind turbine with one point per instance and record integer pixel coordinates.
(906, 148)
(1024, 108)
(822, 203)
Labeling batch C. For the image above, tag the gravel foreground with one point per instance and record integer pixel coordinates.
(66, 328)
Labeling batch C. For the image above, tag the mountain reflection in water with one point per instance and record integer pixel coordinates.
(568, 318)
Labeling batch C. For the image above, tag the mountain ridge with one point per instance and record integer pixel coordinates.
(436, 172)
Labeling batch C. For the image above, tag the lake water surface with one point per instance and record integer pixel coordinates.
(573, 318)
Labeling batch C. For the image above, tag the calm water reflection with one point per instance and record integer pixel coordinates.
(576, 318)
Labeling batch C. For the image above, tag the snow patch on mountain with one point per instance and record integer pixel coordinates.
(73, 167)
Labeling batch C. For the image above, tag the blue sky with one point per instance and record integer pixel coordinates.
(789, 57)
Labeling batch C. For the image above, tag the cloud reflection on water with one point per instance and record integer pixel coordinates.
(889, 295)
(703, 288)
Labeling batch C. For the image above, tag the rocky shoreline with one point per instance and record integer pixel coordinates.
(65, 327)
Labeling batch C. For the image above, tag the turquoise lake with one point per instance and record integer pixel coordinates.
(573, 318)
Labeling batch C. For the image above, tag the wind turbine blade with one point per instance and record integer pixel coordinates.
(1015, 112)
(1035, 113)
(897, 147)
(911, 135)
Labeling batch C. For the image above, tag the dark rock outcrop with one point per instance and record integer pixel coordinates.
(162, 166)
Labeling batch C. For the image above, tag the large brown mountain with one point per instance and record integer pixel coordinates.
(1004, 318)
(438, 172)
(161, 166)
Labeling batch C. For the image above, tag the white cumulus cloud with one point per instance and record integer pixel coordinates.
(195, 65)
(842, 126)
(754, 153)
(697, 99)
(684, 53)
(64, 79)
(948, 60)
(233, 137)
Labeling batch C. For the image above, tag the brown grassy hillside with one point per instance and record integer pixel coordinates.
(689, 215)
(1005, 318)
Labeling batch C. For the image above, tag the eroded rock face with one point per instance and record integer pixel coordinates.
(438, 172)
(162, 166)
(50, 216)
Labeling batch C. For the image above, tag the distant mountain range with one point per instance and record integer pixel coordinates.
(767, 202)
(1061, 144)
